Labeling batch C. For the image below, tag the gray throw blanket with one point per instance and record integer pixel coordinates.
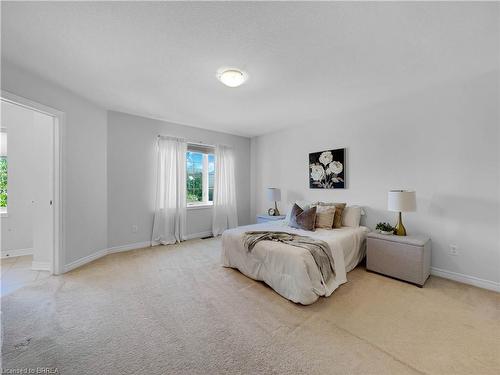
(319, 250)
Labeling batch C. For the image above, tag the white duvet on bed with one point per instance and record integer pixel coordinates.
(289, 270)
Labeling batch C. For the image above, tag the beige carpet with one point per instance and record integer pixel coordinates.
(174, 310)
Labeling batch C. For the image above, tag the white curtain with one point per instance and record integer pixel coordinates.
(170, 207)
(224, 209)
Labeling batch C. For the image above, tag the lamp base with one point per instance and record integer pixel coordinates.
(400, 229)
(276, 211)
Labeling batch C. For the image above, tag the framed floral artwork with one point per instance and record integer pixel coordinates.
(327, 169)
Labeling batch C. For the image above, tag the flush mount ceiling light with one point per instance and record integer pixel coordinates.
(232, 77)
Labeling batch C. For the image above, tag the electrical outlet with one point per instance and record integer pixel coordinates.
(135, 228)
(453, 250)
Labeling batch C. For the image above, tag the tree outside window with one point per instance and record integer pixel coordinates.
(3, 170)
(200, 174)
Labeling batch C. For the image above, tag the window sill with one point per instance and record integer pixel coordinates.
(202, 206)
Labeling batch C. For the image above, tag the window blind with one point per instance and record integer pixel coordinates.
(204, 149)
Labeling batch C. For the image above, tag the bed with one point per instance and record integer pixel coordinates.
(289, 270)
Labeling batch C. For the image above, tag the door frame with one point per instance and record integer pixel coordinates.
(57, 262)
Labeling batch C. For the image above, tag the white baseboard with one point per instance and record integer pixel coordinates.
(41, 266)
(104, 252)
(461, 278)
(117, 249)
(132, 246)
(89, 258)
(465, 279)
(197, 235)
(16, 253)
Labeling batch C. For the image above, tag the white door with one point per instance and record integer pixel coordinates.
(43, 185)
(17, 223)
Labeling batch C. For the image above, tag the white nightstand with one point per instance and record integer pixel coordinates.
(266, 218)
(406, 258)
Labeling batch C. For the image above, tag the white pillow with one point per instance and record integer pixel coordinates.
(302, 204)
(351, 216)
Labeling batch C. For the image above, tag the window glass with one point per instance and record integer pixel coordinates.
(194, 177)
(200, 174)
(211, 177)
(3, 170)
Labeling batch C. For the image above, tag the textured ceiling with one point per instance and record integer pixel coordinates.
(306, 61)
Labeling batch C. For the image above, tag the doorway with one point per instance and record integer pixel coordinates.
(31, 204)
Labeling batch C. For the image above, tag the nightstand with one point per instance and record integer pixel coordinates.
(266, 218)
(406, 258)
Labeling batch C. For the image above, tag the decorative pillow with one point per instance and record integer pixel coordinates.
(325, 216)
(302, 204)
(339, 207)
(351, 216)
(303, 219)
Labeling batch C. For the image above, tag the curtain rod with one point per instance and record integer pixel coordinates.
(197, 143)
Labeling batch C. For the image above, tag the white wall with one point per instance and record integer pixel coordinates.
(17, 226)
(84, 160)
(443, 142)
(131, 181)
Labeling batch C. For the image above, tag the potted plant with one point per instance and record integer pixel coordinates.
(385, 228)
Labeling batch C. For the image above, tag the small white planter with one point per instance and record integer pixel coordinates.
(387, 233)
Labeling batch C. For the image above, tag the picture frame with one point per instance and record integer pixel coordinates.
(327, 169)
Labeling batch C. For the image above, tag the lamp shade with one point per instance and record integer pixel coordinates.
(401, 201)
(273, 194)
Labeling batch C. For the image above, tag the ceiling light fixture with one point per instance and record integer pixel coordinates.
(232, 77)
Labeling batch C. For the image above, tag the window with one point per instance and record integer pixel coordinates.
(200, 174)
(3, 170)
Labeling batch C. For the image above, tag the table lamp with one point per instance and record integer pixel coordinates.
(401, 201)
(273, 194)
